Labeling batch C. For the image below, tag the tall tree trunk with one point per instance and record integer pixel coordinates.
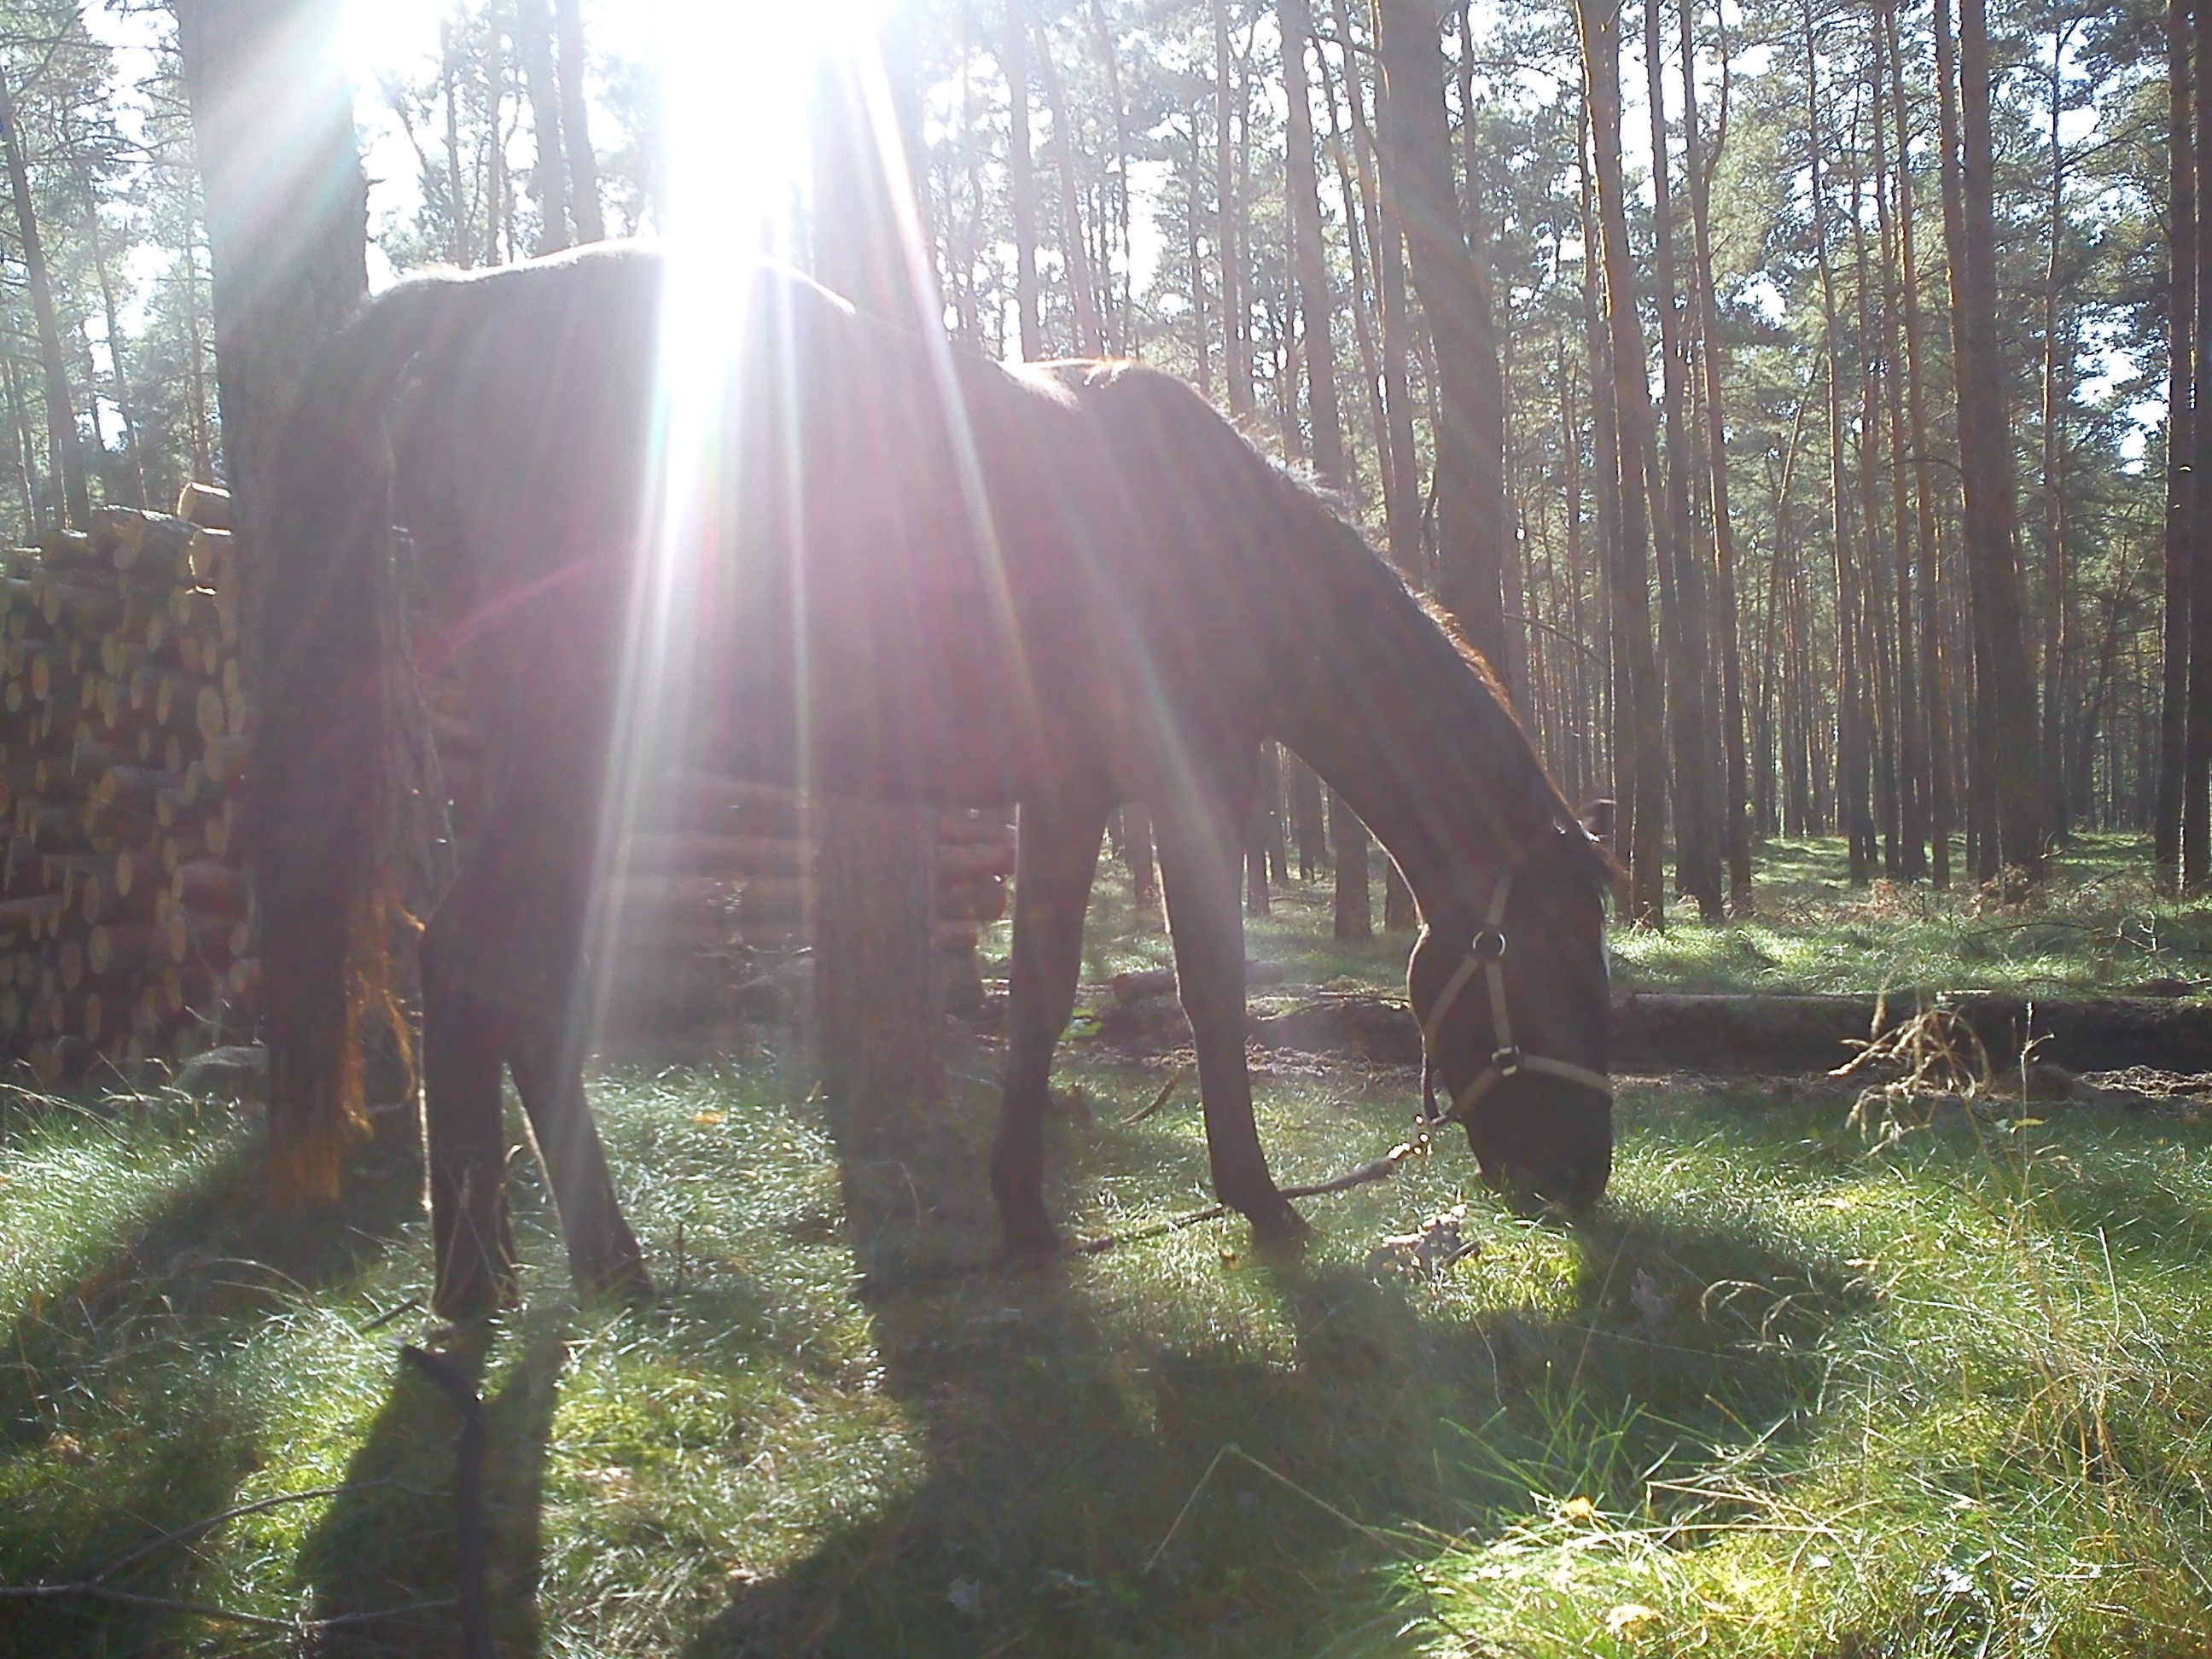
(1698, 168)
(1687, 633)
(126, 401)
(1852, 804)
(1398, 463)
(1472, 522)
(1908, 722)
(879, 1012)
(1986, 457)
(1309, 259)
(2196, 740)
(61, 415)
(1075, 257)
(549, 179)
(2058, 356)
(2180, 441)
(583, 166)
(458, 246)
(1123, 341)
(1228, 221)
(1599, 23)
(287, 213)
(1021, 179)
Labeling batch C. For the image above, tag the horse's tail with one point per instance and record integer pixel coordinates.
(330, 638)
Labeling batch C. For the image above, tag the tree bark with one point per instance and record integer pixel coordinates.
(1699, 167)
(2180, 441)
(1309, 259)
(287, 213)
(878, 1004)
(1472, 522)
(1638, 690)
(1685, 628)
(549, 179)
(1986, 454)
(1021, 180)
(583, 166)
(61, 415)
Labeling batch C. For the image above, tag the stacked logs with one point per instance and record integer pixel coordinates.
(723, 888)
(124, 916)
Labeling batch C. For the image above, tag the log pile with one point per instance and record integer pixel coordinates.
(125, 925)
(716, 899)
(126, 931)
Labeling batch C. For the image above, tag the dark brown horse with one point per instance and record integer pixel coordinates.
(905, 574)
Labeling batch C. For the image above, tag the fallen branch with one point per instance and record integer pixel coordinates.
(1159, 1100)
(1381, 1169)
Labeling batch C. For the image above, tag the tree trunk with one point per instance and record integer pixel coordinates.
(1472, 525)
(1907, 720)
(2180, 441)
(1934, 679)
(583, 166)
(1075, 257)
(1637, 690)
(549, 179)
(61, 415)
(1021, 180)
(1986, 458)
(877, 1001)
(1355, 905)
(1309, 259)
(1686, 632)
(287, 214)
(1228, 225)
(1698, 168)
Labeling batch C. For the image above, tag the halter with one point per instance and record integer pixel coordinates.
(1485, 954)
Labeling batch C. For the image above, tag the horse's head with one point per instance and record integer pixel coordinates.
(1511, 994)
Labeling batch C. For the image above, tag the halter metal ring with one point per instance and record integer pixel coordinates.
(1506, 1062)
(1488, 946)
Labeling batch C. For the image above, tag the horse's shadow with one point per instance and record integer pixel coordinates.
(388, 1542)
(1102, 1485)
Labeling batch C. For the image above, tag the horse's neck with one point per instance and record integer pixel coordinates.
(1429, 760)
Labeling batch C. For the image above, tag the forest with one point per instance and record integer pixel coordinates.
(1795, 403)
(1886, 538)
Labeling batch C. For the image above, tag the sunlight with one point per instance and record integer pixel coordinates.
(381, 37)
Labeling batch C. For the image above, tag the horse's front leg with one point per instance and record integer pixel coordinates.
(463, 1039)
(1202, 847)
(1058, 862)
(604, 1258)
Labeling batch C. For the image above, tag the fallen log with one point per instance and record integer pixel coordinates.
(1688, 1031)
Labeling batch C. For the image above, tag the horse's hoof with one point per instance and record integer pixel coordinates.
(625, 1281)
(1032, 1237)
(1279, 1229)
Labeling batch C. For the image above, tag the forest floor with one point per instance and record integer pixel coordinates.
(1800, 1387)
(2097, 928)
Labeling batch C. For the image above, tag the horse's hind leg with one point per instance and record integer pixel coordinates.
(1201, 846)
(1059, 858)
(463, 1047)
(603, 1257)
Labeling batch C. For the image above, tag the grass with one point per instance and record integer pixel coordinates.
(1788, 1393)
(2097, 929)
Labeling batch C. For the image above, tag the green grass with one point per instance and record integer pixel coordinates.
(2097, 928)
(1788, 1394)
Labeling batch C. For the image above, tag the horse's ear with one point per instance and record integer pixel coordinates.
(1589, 843)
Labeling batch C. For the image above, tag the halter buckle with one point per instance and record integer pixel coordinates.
(1487, 946)
(1506, 1062)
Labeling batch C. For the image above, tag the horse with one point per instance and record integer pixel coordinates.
(910, 575)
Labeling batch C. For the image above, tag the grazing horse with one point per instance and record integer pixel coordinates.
(903, 574)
